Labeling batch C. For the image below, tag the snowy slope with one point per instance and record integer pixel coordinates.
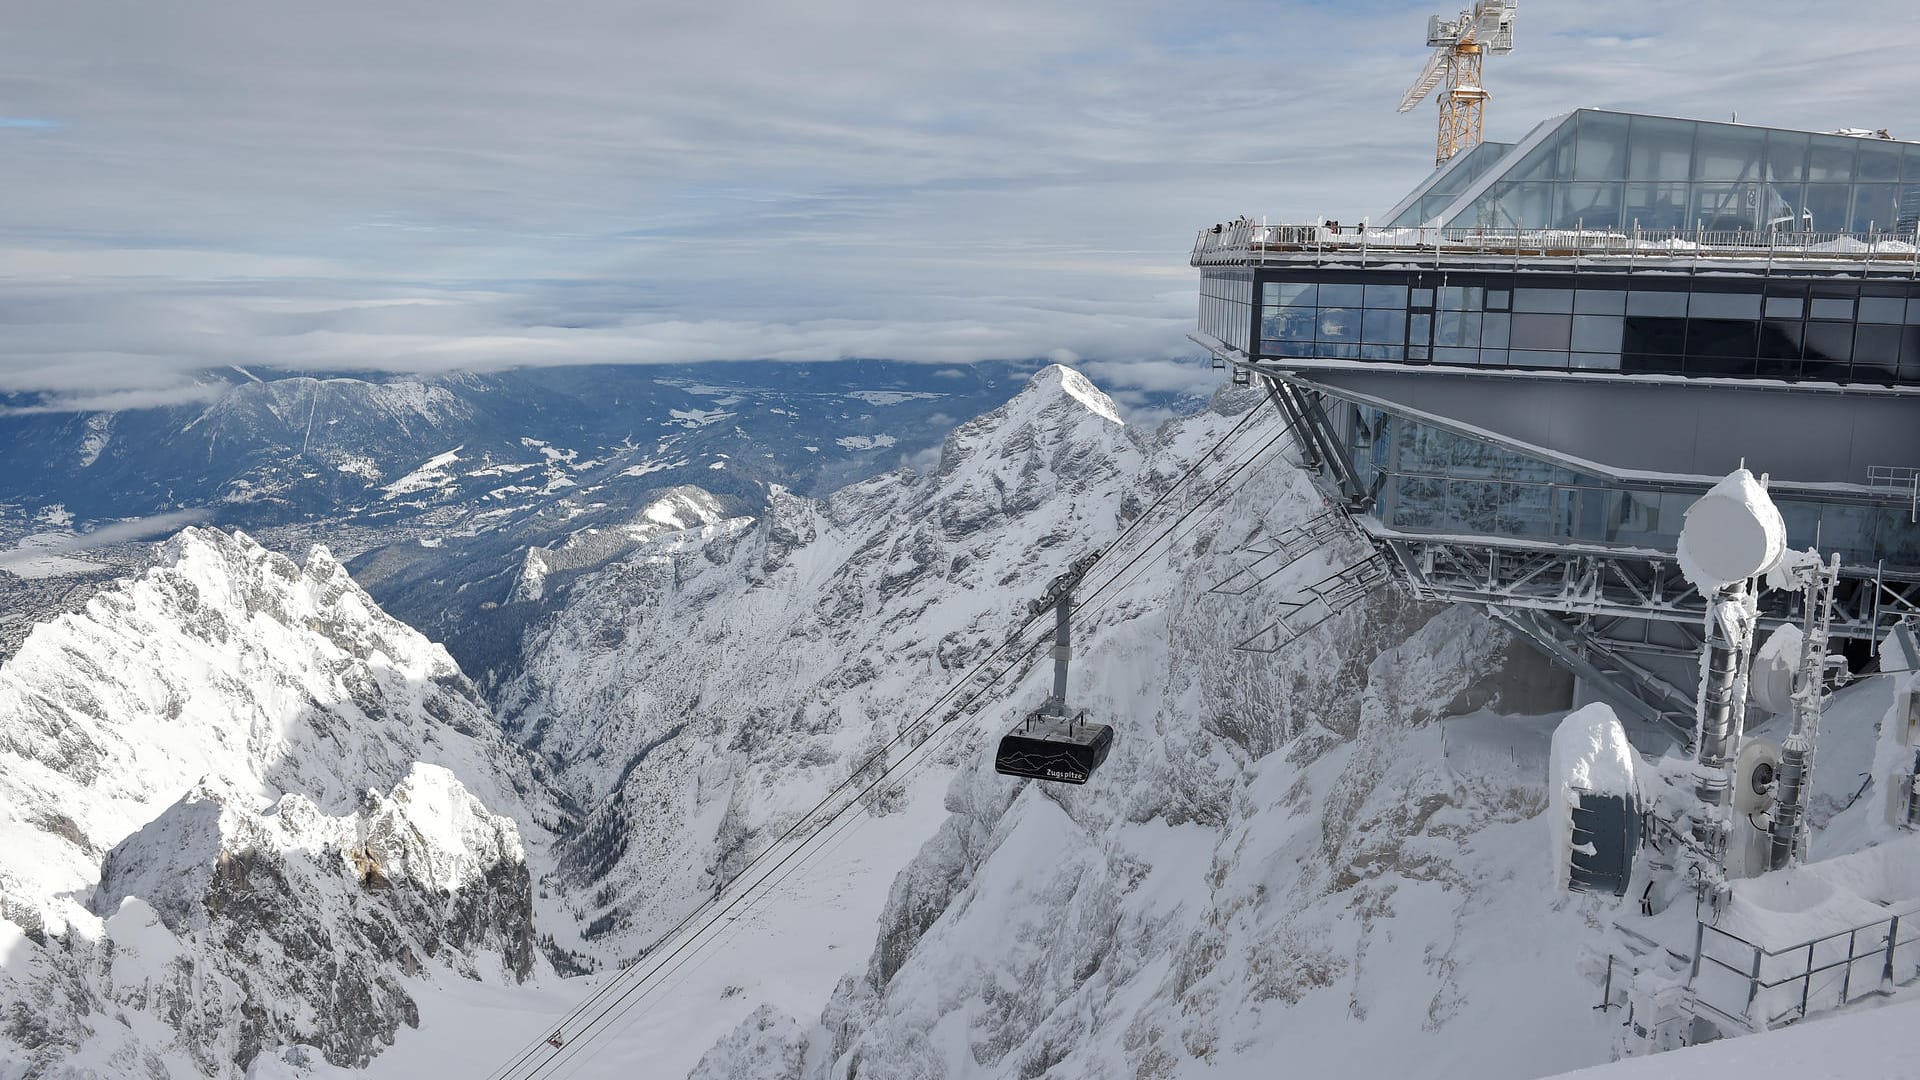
(707, 688)
(283, 799)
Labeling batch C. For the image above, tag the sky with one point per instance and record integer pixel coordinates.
(405, 186)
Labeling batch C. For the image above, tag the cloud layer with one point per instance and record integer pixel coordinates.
(422, 187)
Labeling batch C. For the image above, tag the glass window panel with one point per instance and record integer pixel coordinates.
(1525, 510)
(1653, 336)
(1727, 152)
(1600, 301)
(1289, 325)
(1541, 331)
(1339, 296)
(1790, 307)
(1733, 364)
(1910, 165)
(1881, 309)
(1596, 361)
(1462, 298)
(1493, 357)
(1416, 353)
(1339, 324)
(1380, 351)
(1552, 159)
(1659, 149)
(1827, 206)
(1458, 328)
(1597, 333)
(1825, 370)
(1910, 354)
(1780, 339)
(1721, 337)
(1913, 311)
(1829, 307)
(1509, 205)
(1384, 326)
(1543, 300)
(1829, 341)
(1519, 358)
(1419, 503)
(1728, 207)
(1830, 159)
(1291, 293)
(1493, 330)
(1422, 298)
(1875, 206)
(1447, 355)
(1600, 147)
(1878, 161)
(1786, 156)
(1498, 299)
(1386, 296)
(1724, 305)
(1651, 363)
(1588, 206)
(1876, 352)
(1651, 302)
(1419, 329)
(1656, 206)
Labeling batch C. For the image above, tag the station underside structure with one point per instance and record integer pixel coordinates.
(1517, 415)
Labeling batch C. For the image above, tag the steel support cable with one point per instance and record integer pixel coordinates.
(522, 1058)
(618, 1007)
(850, 815)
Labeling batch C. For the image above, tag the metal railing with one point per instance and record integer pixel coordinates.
(1898, 478)
(1243, 241)
(1758, 988)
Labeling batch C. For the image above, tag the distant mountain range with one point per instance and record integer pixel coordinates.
(456, 498)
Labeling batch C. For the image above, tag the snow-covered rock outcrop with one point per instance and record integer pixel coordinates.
(238, 805)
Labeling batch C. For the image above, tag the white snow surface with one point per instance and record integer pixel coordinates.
(1732, 533)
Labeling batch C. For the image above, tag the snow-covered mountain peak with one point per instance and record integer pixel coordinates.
(224, 661)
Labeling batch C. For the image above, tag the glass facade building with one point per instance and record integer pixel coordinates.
(1600, 170)
(1826, 329)
(1226, 307)
(1427, 480)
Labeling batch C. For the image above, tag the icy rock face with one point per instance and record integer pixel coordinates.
(768, 1045)
(195, 760)
(257, 929)
(712, 685)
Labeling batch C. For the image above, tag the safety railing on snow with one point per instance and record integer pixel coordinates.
(1243, 241)
(1757, 988)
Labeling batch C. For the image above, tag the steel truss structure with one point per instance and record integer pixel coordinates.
(1626, 621)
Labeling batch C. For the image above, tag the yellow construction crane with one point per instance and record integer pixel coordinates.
(1459, 46)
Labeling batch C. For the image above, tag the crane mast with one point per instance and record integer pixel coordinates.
(1461, 46)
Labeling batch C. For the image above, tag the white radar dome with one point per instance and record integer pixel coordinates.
(1732, 533)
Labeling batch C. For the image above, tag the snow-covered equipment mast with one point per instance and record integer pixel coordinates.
(1051, 743)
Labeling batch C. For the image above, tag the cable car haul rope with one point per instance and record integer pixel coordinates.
(1048, 744)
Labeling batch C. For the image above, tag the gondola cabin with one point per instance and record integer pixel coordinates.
(1061, 749)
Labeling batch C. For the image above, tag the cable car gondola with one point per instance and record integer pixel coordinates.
(1051, 743)
(1063, 749)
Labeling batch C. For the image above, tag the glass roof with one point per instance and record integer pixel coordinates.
(1444, 185)
(1595, 169)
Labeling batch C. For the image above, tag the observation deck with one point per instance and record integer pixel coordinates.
(1517, 387)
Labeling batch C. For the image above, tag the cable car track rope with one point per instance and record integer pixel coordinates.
(614, 1000)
